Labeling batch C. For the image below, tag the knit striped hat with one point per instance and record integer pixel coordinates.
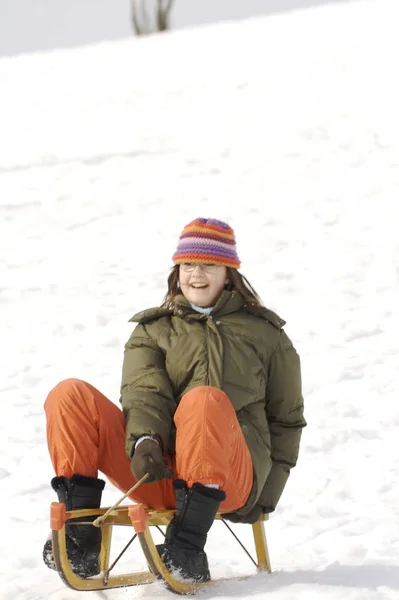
(207, 241)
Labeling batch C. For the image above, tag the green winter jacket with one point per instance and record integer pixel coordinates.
(241, 349)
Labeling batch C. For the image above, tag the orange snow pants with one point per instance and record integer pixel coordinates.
(86, 434)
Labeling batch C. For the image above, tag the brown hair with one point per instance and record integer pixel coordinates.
(236, 281)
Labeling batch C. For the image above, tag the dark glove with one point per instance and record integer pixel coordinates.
(148, 458)
(251, 517)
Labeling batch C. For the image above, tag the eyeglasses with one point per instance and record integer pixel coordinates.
(207, 268)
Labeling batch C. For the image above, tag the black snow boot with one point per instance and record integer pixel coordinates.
(83, 542)
(183, 550)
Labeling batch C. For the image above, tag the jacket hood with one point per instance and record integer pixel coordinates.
(227, 303)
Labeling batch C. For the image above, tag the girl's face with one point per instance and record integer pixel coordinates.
(202, 284)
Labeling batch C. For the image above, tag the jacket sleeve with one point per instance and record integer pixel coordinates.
(146, 391)
(284, 411)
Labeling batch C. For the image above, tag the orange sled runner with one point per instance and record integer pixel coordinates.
(141, 519)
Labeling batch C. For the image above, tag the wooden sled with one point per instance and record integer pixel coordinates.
(142, 519)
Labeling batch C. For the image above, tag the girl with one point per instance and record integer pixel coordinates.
(212, 410)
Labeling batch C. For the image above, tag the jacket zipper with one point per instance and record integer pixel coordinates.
(208, 379)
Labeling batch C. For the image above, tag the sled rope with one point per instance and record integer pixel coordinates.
(97, 522)
(107, 573)
(239, 541)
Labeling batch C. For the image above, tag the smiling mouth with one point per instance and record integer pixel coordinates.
(199, 286)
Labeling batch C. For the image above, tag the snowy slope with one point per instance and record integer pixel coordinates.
(286, 127)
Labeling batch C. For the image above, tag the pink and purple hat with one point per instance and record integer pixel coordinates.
(207, 241)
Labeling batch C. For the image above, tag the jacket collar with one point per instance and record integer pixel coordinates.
(227, 303)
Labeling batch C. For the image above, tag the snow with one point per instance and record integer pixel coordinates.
(284, 126)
